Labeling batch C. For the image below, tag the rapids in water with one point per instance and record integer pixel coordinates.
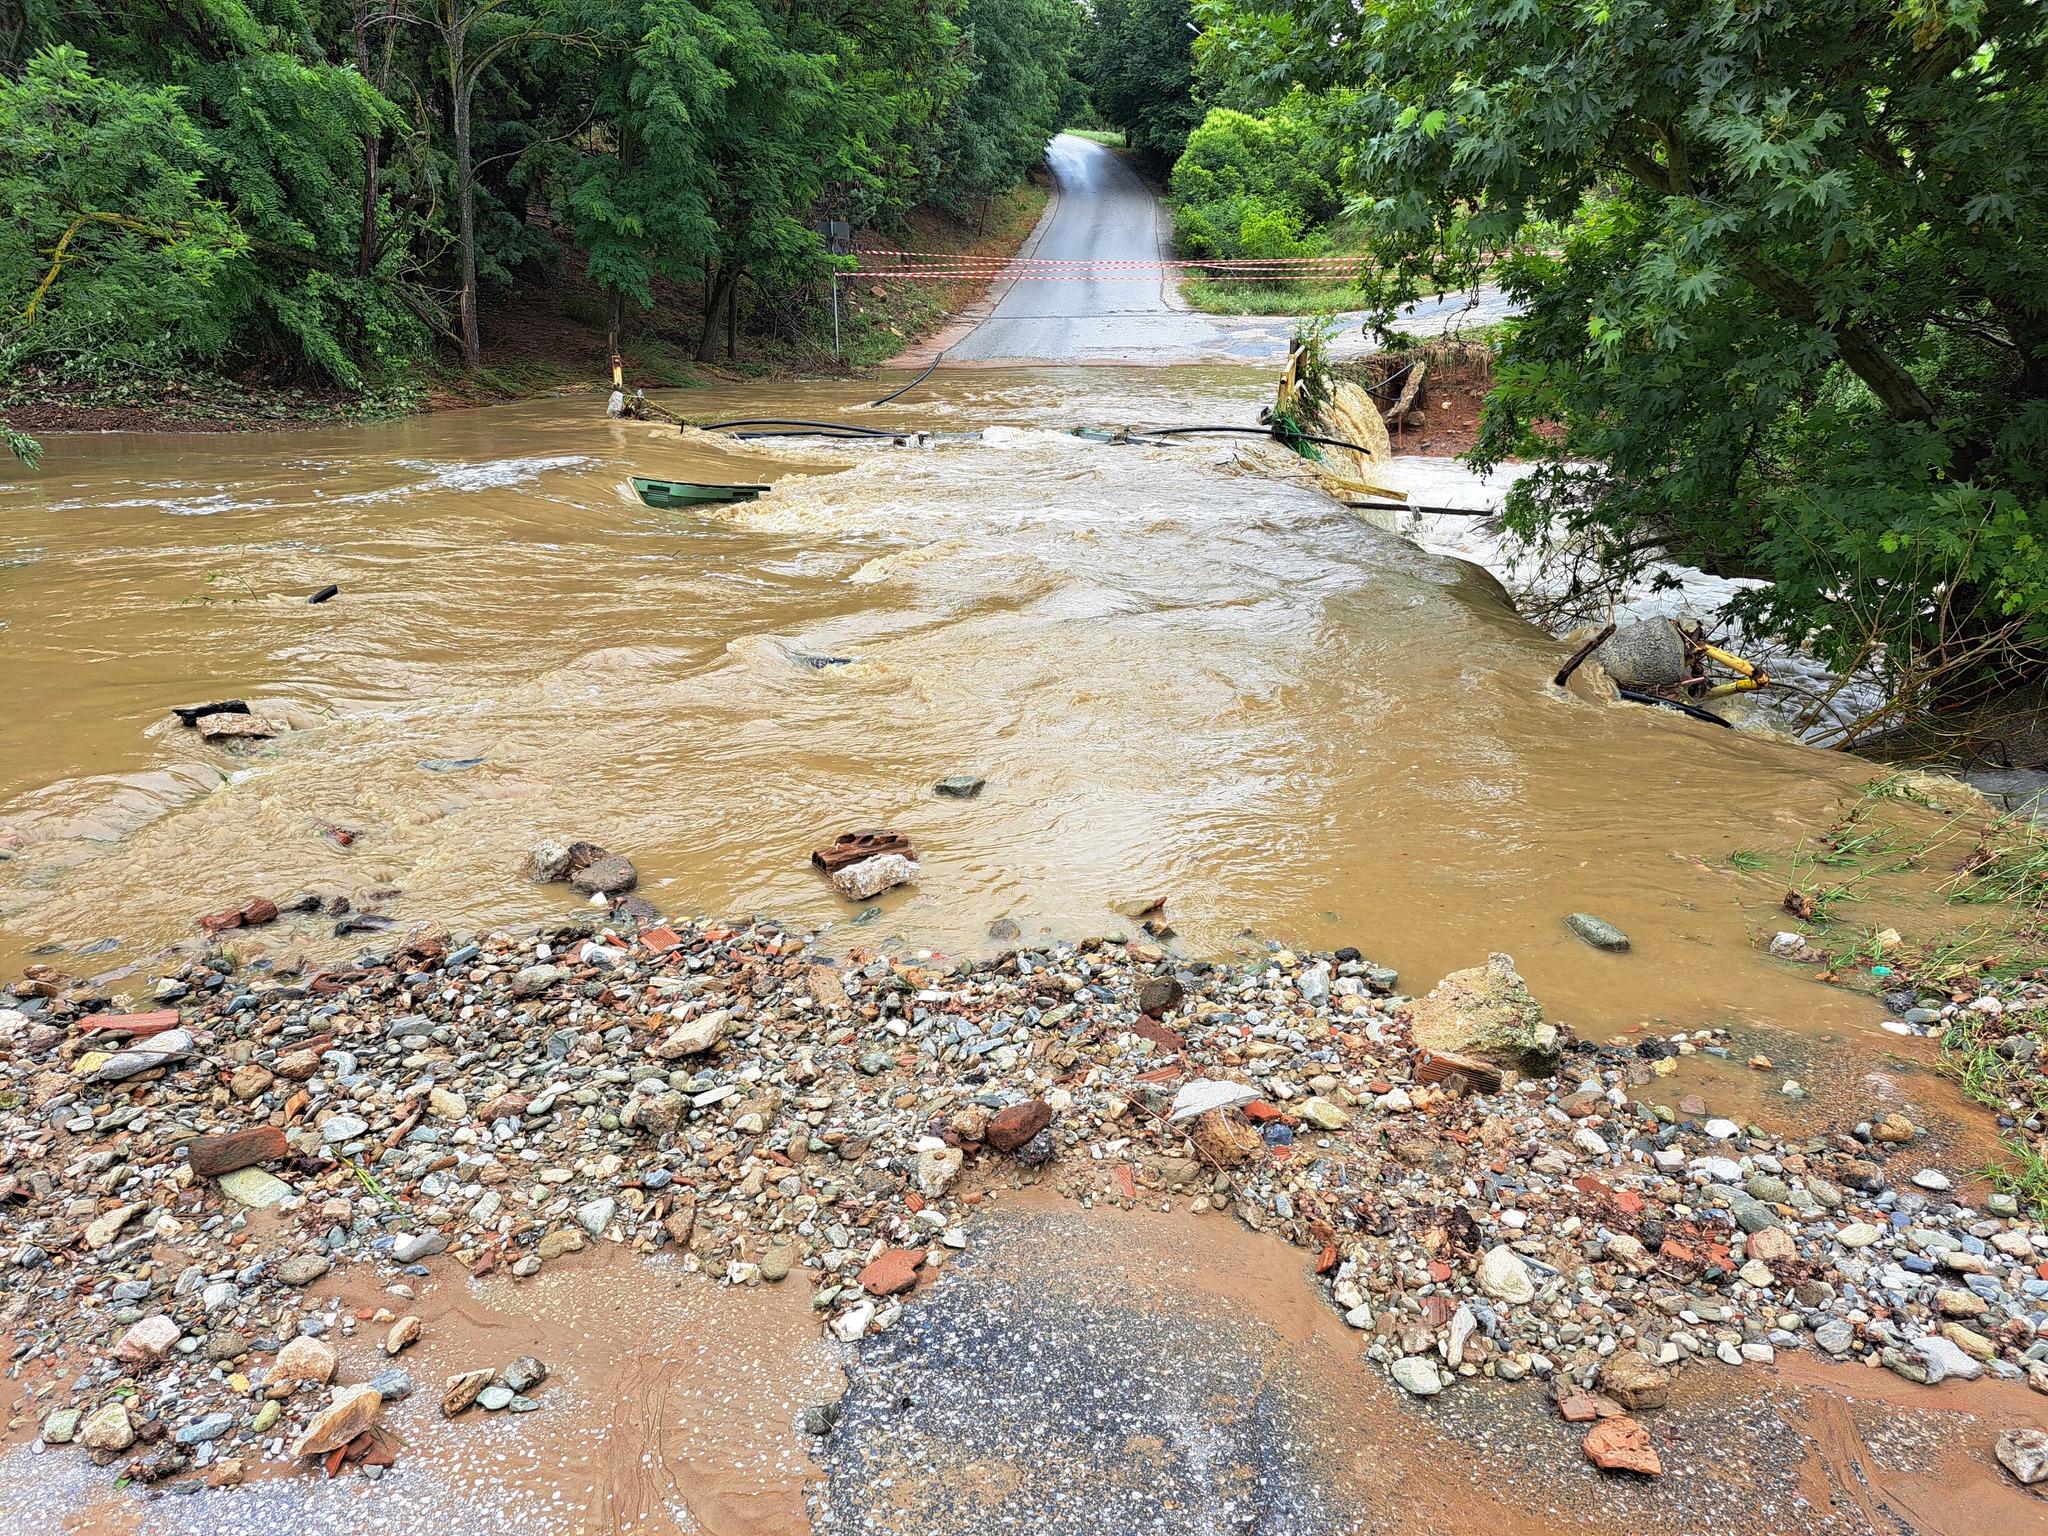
(1179, 677)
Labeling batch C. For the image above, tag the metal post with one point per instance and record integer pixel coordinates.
(835, 314)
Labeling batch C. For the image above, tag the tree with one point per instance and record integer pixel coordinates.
(1141, 69)
(108, 242)
(1797, 327)
(1020, 54)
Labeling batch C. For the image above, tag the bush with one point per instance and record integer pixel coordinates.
(1256, 187)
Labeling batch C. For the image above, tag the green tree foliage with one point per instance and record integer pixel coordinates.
(1141, 72)
(1262, 186)
(1021, 53)
(1799, 326)
(321, 187)
(108, 241)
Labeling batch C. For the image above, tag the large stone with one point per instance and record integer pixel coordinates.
(211, 1156)
(562, 1240)
(1634, 1382)
(1157, 994)
(1503, 1276)
(693, 1036)
(105, 1227)
(1773, 1245)
(462, 1390)
(595, 1215)
(337, 1129)
(612, 875)
(870, 877)
(1622, 1445)
(659, 1114)
(444, 1105)
(148, 1341)
(550, 861)
(107, 1429)
(1008, 1129)
(1324, 1115)
(254, 1188)
(353, 1410)
(1599, 934)
(2024, 1453)
(305, 1359)
(1488, 1012)
(303, 1268)
(937, 1168)
(250, 1082)
(61, 1426)
(1417, 1375)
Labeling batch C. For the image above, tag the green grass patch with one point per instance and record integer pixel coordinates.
(1112, 137)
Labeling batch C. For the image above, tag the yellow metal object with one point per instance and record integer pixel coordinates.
(1739, 685)
(1730, 660)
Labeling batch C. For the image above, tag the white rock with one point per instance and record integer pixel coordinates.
(1944, 1359)
(1928, 1178)
(1722, 1130)
(1592, 1143)
(1463, 1322)
(1503, 1276)
(694, 1035)
(1417, 1375)
(850, 1325)
(870, 877)
(2024, 1453)
(1858, 1234)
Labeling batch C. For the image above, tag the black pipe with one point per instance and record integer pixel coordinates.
(1276, 433)
(843, 437)
(323, 594)
(1684, 709)
(786, 421)
(906, 389)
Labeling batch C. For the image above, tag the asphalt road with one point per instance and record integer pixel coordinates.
(1105, 213)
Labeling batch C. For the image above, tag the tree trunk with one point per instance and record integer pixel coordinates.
(366, 255)
(732, 317)
(718, 283)
(465, 204)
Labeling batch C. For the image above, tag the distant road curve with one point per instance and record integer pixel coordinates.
(1103, 212)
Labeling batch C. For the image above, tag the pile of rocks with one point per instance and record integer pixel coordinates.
(1483, 1195)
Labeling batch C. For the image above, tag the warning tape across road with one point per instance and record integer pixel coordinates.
(1013, 269)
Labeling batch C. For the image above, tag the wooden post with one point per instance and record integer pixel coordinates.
(835, 314)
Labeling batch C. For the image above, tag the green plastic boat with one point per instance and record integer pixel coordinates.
(689, 493)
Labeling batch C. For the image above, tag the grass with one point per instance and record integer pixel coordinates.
(1272, 298)
(1906, 840)
(1111, 137)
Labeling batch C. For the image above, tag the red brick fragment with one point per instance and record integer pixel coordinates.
(211, 1156)
(893, 1273)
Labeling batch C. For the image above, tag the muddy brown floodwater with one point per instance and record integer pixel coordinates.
(1178, 678)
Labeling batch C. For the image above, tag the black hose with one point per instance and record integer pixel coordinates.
(841, 437)
(323, 594)
(785, 421)
(1684, 709)
(1276, 433)
(906, 389)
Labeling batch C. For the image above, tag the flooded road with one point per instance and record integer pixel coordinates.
(1179, 679)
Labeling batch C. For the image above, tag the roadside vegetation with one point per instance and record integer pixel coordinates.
(360, 202)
